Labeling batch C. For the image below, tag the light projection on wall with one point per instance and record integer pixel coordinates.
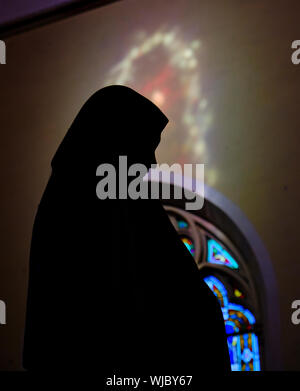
(228, 277)
(166, 68)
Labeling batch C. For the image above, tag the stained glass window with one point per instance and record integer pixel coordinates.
(189, 244)
(182, 224)
(219, 290)
(243, 351)
(243, 348)
(229, 278)
(217, 254)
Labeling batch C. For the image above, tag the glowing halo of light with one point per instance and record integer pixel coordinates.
(183, 66)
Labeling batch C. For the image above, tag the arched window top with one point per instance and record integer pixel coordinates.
(252, 285)
(227, 274)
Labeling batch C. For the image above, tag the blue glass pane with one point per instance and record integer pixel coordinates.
(243, 314)
(243, 349)
(218, 255)
(244, 352)
(189, 244)
(220, 291)
(182, 224)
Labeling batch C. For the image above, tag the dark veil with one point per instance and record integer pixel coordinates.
(111, 285)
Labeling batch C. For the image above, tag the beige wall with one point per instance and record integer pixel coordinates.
(247, 130)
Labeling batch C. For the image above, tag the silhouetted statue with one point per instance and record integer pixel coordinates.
(111, 285)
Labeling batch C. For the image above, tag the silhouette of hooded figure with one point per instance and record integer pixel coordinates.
(111, 285)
